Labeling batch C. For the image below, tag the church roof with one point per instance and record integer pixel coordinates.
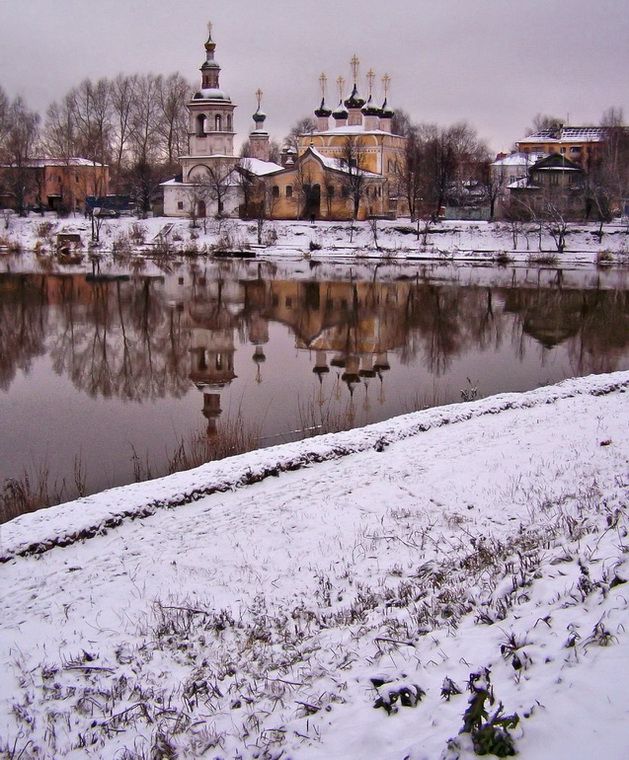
(354, 130)
(211, 93)
(258, 167)
(336, 164)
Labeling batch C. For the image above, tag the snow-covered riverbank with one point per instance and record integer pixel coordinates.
(482, 242)
(312, 600)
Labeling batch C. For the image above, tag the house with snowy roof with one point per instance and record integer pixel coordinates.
(55, 184)
(553, 179)
(579, 144)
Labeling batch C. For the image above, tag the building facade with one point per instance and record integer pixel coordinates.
(56, 184)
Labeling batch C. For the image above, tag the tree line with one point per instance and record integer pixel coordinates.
(136, 124)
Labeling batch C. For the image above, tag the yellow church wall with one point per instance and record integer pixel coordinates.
(287, 199)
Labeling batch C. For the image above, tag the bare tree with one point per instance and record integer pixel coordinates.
(174, 93)
(354, 177)
(544, 121)
(402, 124)
(144, 174)
(4, 115)
(17, 150)
(92, 114)
(517, 214)
(304, 126)
(609, 176)
(123, 94)
(259, 197)
(60, 137)
(411, 172)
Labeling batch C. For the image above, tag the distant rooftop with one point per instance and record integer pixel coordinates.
(73, 161)
(565, 134)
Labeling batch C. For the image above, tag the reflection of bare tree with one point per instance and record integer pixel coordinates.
(23, 317)
(593, 324)
(443, 321)
(119, 339)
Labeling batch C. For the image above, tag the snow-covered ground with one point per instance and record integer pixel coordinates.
(367, 594)
(480, 242)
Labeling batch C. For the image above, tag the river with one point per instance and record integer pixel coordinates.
(107, 380)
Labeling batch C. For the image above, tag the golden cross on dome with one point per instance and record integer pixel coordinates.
(355, 63)
(386, 80)
(341, 84)
(323, 81)
(259, 95)
(209, 28)
(371, 75)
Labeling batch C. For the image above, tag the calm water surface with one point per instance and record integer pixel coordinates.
(117, 373)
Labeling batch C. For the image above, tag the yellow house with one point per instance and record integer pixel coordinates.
(578, 144)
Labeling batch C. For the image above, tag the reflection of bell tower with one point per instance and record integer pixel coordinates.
(211, 368)
(258, 329)
(321, 364)
(211, 411)
(259, 358)
(351, 376)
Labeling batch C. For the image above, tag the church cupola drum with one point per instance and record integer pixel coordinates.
(211, 112)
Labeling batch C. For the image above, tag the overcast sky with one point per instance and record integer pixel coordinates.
(493, 63)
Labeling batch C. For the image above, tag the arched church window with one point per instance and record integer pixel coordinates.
(229, 122)
(276, 191)
(289, 191)
(201, 125)
(217, 122)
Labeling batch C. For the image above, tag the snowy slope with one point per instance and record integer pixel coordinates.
(295, 602)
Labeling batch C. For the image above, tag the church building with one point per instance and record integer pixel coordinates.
(345, 169)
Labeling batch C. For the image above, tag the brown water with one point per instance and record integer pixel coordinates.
(115, 374)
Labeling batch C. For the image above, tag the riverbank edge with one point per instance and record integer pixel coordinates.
(65, 524)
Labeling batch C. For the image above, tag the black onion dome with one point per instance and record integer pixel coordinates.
(259, 117)
(354, 100)
(323, 110)
(340, 111)
(370, 109)
(386, 112)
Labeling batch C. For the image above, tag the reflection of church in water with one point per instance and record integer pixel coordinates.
(350, 328)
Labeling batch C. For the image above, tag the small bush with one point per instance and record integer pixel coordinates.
(44, 229)
(137, 233)
(604, 258)
(490, 735)
(502, 258)
(549, 259)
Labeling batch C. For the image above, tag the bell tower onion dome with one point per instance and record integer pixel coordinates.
(210, 72)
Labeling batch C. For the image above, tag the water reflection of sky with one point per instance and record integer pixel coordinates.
(102, 370)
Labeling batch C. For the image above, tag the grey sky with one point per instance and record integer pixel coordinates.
(494, 63)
